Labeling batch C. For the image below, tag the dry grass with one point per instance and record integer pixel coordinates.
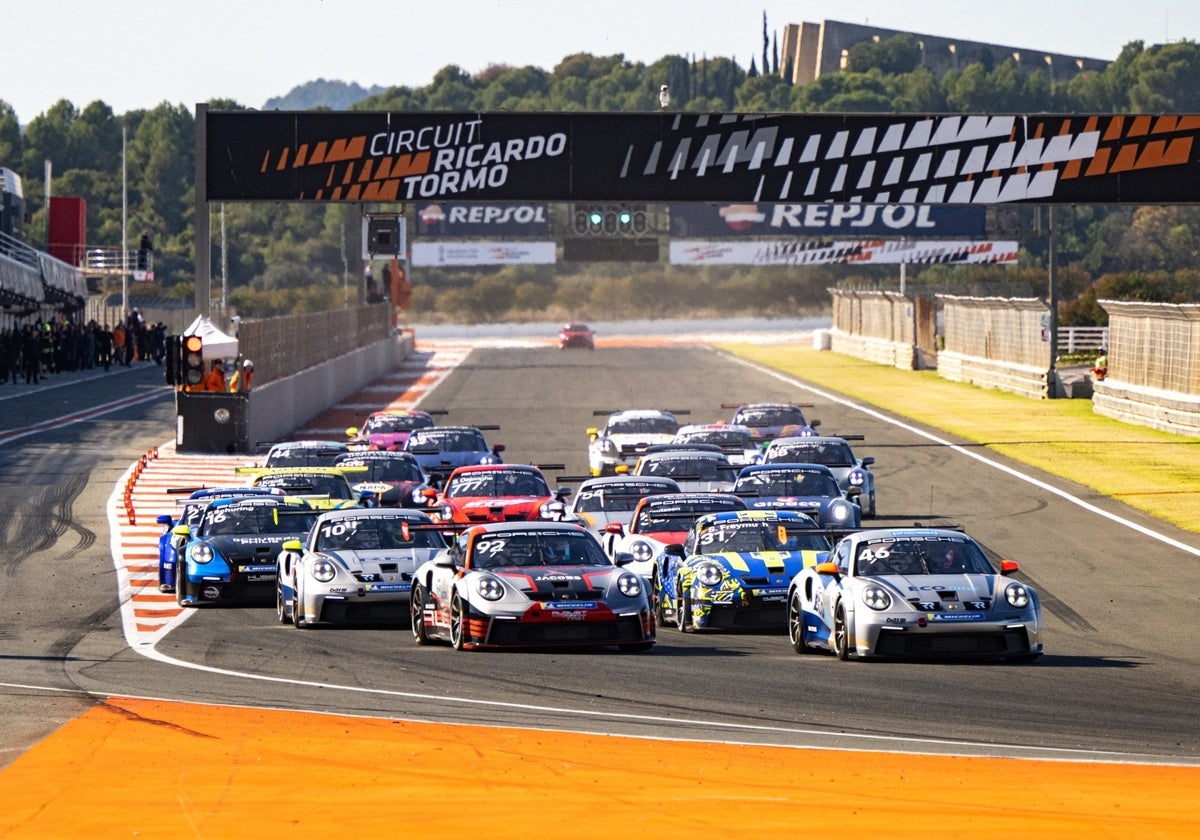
(1149, 470)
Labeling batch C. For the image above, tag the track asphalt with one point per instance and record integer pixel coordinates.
(147, 768)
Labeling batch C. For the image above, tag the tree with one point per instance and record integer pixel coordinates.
(10, 137)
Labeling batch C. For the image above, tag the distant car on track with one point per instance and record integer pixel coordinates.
(389, 429)
(736, 442)
(494, 493)
(395, 478)
(660, 520)
(605, 499)
(576, 334)
(833, 452)
(769, 420)
(441, 450)
(809, 488)
(304, 453)
(913, 592)
(625, 436)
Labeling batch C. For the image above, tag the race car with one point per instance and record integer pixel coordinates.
(304, 453)
(395, 478)
(808, 488)
(734, 568)
(229, 555)
(834, 452)
(768, 420)
(693, 468)
(354, 566)
(170, 545)
(612, 498)
(529, 585)
(660, 520)
(325, 488)
(576, 335)
(913, 592)
(442, 449)
(389, 429)
(495, 493)
(625, 436)
(736, 442)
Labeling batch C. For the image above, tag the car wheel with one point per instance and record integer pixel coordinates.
(416, 611)
(458, 623)
(795, 623)
(298, 608)
(660, 612)
(280, 609)
(683, 610)
(841, 634)
(181, 590)
(871, 509)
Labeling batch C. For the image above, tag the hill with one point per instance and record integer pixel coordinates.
(322, 93)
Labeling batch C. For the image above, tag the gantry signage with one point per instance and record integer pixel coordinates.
(664, 157)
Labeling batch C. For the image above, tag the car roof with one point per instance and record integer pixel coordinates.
(522, 468)
(786, 466)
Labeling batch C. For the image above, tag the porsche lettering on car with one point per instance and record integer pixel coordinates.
(734, 568)
(917, 593)
(625, 437)
(354, 566)
(529, 585)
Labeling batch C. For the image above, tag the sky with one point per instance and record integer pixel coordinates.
(134, 54)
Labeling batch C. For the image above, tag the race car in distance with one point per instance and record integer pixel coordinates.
(325, 488)
(442, 449)
(612, 498)
(735, 441)
(389, 429)
(354, 566)
(395, 478)
(528, 585)
(494, 493)
(833, 452)
(625, 436)
(304, 453)
(694, 468)
(913, 592)
(808, 488)
(190, 509)
(734, 568)
(658, 521)
(230, 554)
(768, 421)
(576, 334)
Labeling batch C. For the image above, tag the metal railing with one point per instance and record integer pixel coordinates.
(1073, 340)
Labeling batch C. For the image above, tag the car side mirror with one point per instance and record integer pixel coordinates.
(615, 528)
(181, 531)
(868, 461)
(164, 519)
(675, 550)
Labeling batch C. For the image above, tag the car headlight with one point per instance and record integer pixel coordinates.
(554, 511)
(876, 597)
(323, 570)
(608, 447)
(839, 511)
(489, 588)
(857, 479)
(709, 574)
(1017, 595)
(630, 585)
(447, 513)
(202, 553)
(641, 551)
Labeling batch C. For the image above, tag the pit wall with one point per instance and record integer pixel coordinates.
(282, 405)
(1153, 366)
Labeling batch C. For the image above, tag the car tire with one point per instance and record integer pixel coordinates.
(870, 514)
(181, 590)
(298, 620)
(841, 634)
(458, 623)
(416, 612)
(795, 623)
(683, 610)
(281, 614)
(660, 613)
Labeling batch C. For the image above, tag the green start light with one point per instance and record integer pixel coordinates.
(596, 217)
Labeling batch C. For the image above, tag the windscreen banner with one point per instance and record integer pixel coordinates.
(667, 158)
(457, 253)
(841, 252)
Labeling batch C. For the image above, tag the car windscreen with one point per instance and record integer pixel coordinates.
(396, 423)
(496, 484)
(384, 469)
(775, 416)
(373, 533)
(921, 556)
(524, 549)
(613, 497)
(642, 426)
(758, 535)
(260, 520)
(829, 454)
(333, 486)
(447, 441)
(787, 483)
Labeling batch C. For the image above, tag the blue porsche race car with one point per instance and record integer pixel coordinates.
(734, 568)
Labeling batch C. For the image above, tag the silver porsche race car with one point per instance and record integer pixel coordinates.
(917, 593)
(354, 566)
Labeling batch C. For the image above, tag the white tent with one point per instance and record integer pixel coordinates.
(217, 345)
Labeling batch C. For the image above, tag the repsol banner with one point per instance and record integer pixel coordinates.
(476, 220)
(841, 252)
(907, 220)
(674, 157)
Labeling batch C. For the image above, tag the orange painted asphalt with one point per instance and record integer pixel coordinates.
(141, 768)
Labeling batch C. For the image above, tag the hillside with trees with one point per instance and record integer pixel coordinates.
(289, 258)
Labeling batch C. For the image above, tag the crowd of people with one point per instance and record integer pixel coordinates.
(60, 345)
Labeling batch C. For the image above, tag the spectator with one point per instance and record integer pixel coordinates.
(119, 338)
(1100, 370)
(214, 380)
(239, 383)
(145, 249)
